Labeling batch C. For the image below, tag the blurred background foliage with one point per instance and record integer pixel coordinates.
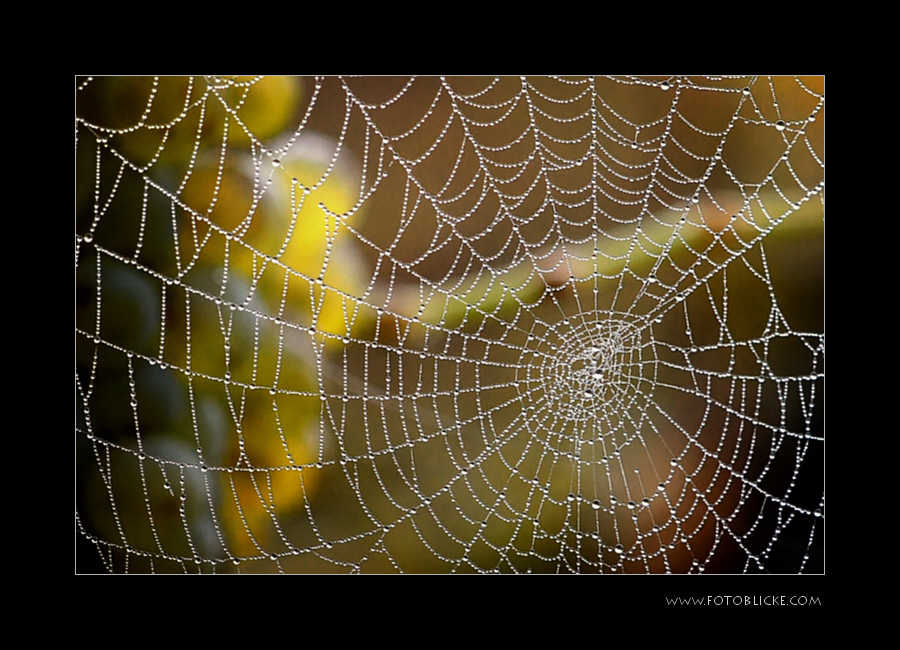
(234, 260)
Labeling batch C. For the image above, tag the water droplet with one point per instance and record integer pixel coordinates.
(817, 512)
(619, 549)
(664, 85)
(780, 125)
(276, 162)
(632, 505)
(746, 91)
(570, 498)
(595, 504)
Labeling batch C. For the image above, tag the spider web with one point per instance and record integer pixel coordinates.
(450, 325)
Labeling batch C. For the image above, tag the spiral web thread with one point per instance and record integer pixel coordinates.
(451, 325)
